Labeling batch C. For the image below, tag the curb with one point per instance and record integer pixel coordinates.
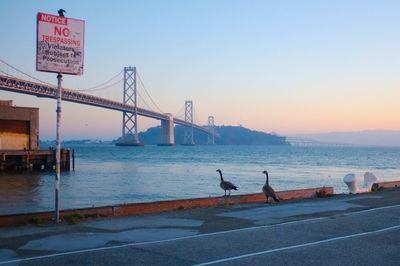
(159, 206)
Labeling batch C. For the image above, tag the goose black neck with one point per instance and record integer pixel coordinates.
(266, 173)
(220, 174)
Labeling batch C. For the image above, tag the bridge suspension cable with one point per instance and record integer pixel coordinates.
(145, 90)
(196, 117)
(8, 74)
(21, 72)
(103, 86)
(99, 87)
(180, 113)
(143, 101)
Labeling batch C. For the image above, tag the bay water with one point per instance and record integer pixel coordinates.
(107, 175)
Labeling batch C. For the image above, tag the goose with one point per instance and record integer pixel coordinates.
(268, 190)
(226, 185)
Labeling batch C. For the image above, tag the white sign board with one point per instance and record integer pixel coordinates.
(60, 43)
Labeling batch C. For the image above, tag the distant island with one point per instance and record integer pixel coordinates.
(228, 135)
(52, 143)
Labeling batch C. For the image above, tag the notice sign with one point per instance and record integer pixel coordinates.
(60, 43)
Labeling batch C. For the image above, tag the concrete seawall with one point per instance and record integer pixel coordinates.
(390, 184)
(164, 206)
(160, 206)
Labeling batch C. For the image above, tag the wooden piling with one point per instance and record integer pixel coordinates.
(73, 159)
(21, 160)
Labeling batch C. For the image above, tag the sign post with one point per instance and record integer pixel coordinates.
(58, 142)
(60, 49)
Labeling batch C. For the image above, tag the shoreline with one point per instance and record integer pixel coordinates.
(158, 206)
(134, 209)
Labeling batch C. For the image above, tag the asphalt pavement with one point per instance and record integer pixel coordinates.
(361, 229)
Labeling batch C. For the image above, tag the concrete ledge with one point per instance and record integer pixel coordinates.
(160, 206)
(389, 184)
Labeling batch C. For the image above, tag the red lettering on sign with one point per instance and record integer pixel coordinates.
(52, 19)
(60, 30)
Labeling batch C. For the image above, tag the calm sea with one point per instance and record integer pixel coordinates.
(106, 174)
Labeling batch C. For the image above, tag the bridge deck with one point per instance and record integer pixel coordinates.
(43, 90)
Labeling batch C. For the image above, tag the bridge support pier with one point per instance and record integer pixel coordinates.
(167, 132)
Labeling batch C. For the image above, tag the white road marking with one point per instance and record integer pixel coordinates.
(196, 236)
(299, 246)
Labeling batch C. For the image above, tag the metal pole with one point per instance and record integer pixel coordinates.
(59, 95)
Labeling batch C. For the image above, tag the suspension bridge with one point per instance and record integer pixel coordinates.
(129, 106)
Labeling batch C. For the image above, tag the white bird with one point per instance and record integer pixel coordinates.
(226, 185)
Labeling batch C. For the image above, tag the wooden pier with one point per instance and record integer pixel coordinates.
(36, 160)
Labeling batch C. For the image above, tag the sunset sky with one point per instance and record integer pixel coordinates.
(288, 67)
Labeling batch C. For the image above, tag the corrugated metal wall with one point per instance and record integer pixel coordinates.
(14, 134)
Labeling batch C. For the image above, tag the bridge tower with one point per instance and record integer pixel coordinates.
(188, 131)
(130, 135)
(210, 139)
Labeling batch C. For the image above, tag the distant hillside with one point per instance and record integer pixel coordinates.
(367, 137)
(228, 135)
(52, 143)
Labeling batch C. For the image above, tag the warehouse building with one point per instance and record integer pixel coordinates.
(19, 127)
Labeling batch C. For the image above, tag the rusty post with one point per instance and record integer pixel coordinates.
(73, 159)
